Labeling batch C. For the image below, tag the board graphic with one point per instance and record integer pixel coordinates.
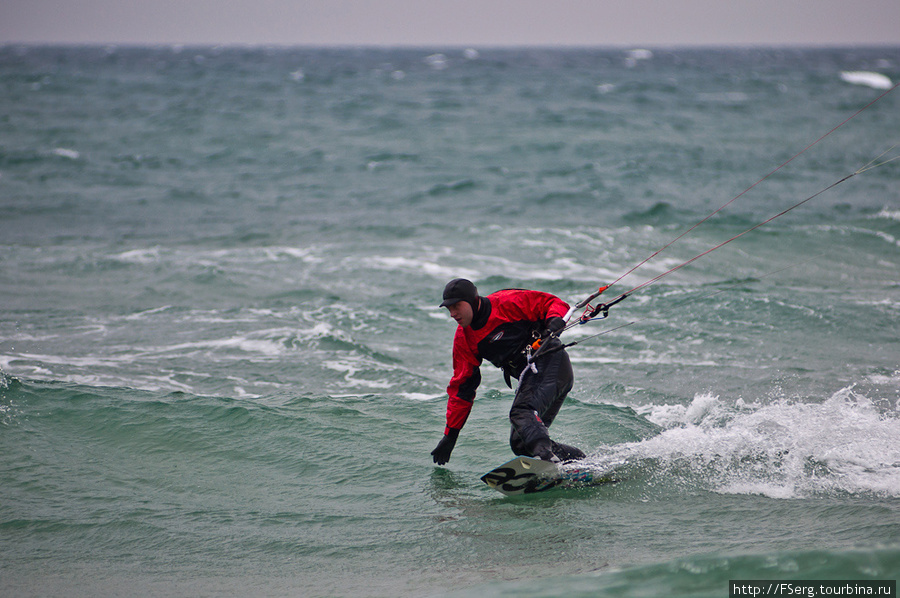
(526, 475)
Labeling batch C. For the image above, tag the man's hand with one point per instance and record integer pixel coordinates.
(441, 453)
(555, 325)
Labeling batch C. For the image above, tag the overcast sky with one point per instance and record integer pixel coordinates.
(474, 23)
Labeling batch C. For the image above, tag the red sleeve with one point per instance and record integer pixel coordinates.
(554, 306)
(465, 381)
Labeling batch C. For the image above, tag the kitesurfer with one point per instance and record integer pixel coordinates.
(500, 327)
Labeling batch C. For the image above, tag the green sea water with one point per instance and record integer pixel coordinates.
(222, 364)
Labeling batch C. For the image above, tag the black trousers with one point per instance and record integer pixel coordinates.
(537, 401)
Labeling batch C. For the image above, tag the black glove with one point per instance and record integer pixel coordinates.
(555, 325)
(441, 453)
(544, 452)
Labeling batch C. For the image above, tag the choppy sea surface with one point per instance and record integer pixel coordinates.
(222, 364)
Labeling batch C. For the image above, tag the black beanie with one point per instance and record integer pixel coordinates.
(460, 289)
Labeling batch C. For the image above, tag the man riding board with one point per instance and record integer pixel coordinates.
(500, 327)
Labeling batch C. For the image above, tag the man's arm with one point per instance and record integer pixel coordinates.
(460, 396)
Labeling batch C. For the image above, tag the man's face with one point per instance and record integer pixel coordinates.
(461, 311)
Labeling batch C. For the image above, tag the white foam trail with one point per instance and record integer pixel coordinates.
(268, 343)
(889, 214)
(147, 312)
(867, 78)
(418, 265)
(892, 380)
(437, 61)
(351, 371)
(148, 255)
(632, 57)
(69, 154)
(419, 396)
(783, 449)
(252, 255)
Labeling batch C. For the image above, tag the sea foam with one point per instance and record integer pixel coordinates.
(781, 449)
(867, 78)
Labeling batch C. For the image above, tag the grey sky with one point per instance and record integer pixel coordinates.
(453, 22)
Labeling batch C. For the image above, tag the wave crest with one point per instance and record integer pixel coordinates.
(785, 449)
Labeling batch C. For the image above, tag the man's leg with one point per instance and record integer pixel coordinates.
(535, 406)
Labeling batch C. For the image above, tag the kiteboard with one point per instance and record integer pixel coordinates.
(526, 475)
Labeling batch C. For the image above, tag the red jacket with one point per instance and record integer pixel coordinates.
(506, 322)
